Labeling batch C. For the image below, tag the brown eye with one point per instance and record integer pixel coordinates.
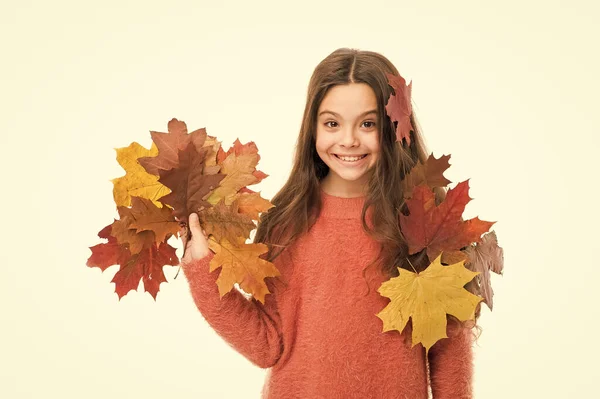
(326, 123)
(372, 124)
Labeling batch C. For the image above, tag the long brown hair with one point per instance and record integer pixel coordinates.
(298, 202)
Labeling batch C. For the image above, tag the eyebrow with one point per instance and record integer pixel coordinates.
(373, 111)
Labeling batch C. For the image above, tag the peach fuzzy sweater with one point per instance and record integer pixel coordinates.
(318, 332)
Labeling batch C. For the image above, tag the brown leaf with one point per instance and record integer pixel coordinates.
(224, 221)
(169, 144)
(147, 216)
(188, 183)
(484, 257)
(430, 174)
(127, 236)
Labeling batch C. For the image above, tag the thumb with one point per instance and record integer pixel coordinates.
(195, 225)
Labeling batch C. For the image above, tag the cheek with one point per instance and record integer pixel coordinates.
(322, 144)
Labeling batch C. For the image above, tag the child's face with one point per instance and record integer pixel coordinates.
(352, 132)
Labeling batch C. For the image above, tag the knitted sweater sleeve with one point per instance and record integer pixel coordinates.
(451, 364)
(248, 326)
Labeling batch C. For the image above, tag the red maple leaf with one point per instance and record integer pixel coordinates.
(146, 266)
(399, 107)
(107, 254)
(440, 228)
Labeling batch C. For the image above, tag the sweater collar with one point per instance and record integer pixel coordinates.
(340, 207)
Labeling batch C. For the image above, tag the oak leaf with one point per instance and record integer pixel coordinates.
(426, 298)
(169, 144)
(148, 217)
(225, 221)
(239, 166)
(136, 182)
(128, 236)
(484, 257)
(241, 263)
(251, 203)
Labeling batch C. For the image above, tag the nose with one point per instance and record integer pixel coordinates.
(349, 138)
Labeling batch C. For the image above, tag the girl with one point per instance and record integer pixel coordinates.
(336, 215)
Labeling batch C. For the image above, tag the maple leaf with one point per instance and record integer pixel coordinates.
(136, 182)
(426, 298)
(485, 257)
(107, 254)
(146, 266)
(430, 173)
(241, 263)
(399, 107)
(440, 228)
(148, 217)
(251, 203)
(239, 166)
(169, 144)
(224, 221)
(189, 183)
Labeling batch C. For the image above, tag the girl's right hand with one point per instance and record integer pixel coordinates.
(197, 246)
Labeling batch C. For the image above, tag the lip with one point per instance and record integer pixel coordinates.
(352, 164)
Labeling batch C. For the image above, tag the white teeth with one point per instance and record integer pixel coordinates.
(350, 159)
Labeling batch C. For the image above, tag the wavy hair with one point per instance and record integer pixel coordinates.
(298, 202)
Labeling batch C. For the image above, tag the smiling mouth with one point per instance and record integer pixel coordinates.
(355, 156)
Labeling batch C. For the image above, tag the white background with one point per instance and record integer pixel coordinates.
(509, 89)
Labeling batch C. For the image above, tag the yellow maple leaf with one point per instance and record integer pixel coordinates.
(427, 297)
(137, 182)
(239, 171)
(240, 263)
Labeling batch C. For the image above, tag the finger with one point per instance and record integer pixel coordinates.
(195, 224)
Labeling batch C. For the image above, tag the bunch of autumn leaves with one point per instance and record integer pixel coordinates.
(184, 173)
